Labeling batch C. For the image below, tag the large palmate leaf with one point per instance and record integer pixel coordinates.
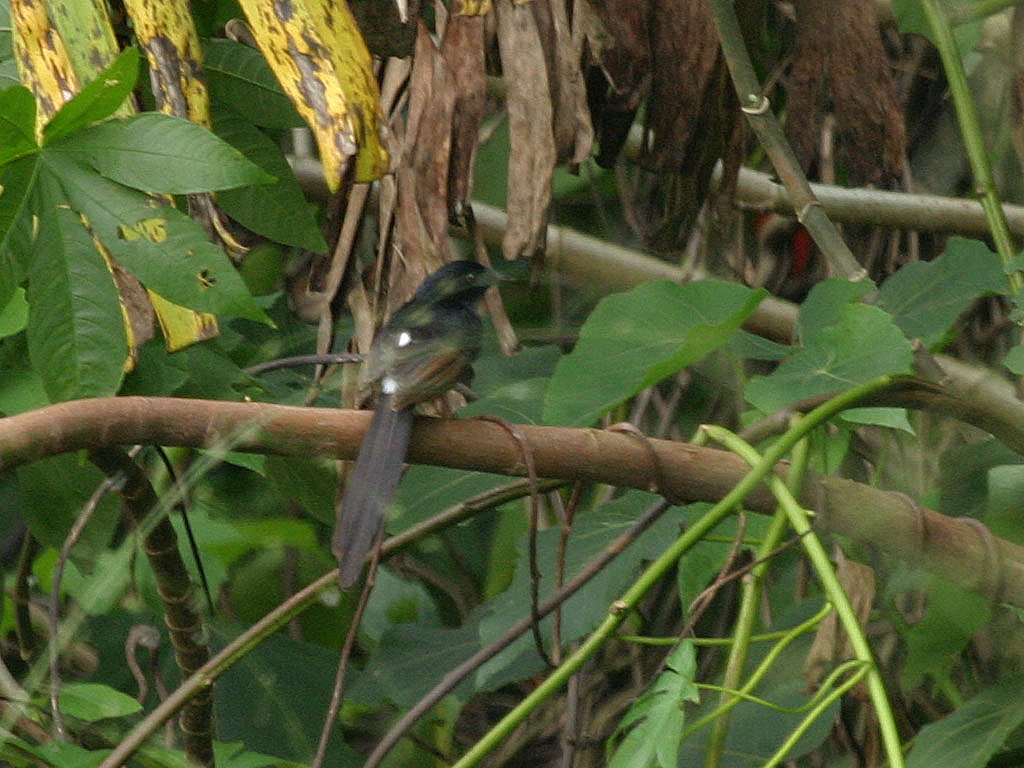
(98, 100)
(17, 123)
(278, 211)
(17, 182)
(76, 335)
(161, 246)
(161, 153)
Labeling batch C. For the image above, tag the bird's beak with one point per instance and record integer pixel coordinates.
(493, 277)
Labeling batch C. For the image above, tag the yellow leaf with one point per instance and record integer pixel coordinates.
(475, 7)
(88, 35)
(168, 35)
(43, 60)
(182, 326)
(323, 64)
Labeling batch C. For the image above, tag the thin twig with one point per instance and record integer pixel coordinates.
(111, 483)
(338, 691)
(301, 360)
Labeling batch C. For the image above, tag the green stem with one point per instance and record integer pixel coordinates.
(824, 690)
(752, 590)
(974, 143)
(799, 519)
(758, 674)
(665, 562)
(813, 715)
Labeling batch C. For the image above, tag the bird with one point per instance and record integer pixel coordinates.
(426, 348)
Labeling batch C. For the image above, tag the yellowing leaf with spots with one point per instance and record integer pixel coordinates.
(182, 326)
(323, 64)
(168, 35)
(43, 61)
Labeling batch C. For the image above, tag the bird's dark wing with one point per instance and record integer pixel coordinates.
(370, 487)
(439, 347)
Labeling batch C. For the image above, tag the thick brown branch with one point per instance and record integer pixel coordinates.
(933, 541)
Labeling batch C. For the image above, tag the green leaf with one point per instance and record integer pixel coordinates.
(54, 490)
(70, 755)
(1014, 360)
(277, 211)
(893, 418)
(1005, 490)
(14, 316)
(824, 305)
(272, 697)
(162, 247)
(92, 702)
(964, 473)
(98, 100)
(926, 298)
(240, 78)
(974, 732)
(910, 19)
(635, 339)
(312, 483)
(518, 402)
(749, 346)
(21, 389)
(954, 616)
(17, 123)
(6, 48)
(409, 657)
(584, 610)
(76, 336)
(655, 721)
(235, 755)
(17, 233)
(699, 567)
(865, 343)
(9, 77)
(161, 154)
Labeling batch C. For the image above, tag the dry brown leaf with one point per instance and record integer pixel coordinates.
(573, 133)
(463, 51)
(687, 108)
(618, 44)
(668, 54)
(422, 175)
(840, 65)
(531, 136)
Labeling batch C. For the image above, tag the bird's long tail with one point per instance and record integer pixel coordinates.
(370, 488)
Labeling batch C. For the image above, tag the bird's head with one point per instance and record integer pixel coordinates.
(459, 281)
